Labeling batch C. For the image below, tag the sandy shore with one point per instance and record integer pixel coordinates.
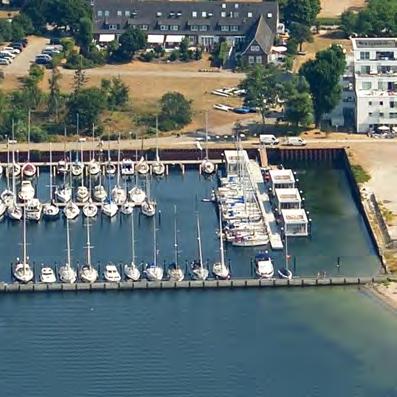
(387, 293)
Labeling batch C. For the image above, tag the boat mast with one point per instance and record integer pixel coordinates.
(286, 251)
(13, 163)
(206, 135)
(175, 239)
(69, 259)
(132, 237)
(24, 242)
(157, 138)
(8, 163)
(50, 172)
(221, 238)
(118, 162)
(154, 243)
(88, 245)
(199, 242)
(29, 135)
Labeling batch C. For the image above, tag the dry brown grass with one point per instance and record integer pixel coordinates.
(334, 8)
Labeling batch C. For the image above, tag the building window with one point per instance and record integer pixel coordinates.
(236, 5)
(224, 28)
(258, 59)
(194, 28)
(112, 27)
(381, 114)
(250, 15)
(119, 13)
(380, 103)
(393, 115)
(144, 27)
(194, 14)
(163, 27)
(127, 13)
(365, 69)
(107, 13)
(269, 15)
(392, 104)
(235, 15)
(364, 55)
(203, 28)
(223, 14)
(159, 13)
(255, 48)
(204, 14)
(370, 114)
(223, 5)
(100, 13)
(370, 103)
(234, 28)
(251, 59)
(174, 27)
(367, 85)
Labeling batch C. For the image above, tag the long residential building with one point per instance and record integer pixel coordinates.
(249, 27)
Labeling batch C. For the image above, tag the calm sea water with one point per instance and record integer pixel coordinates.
(324, 342)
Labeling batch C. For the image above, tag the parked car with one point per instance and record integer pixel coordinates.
(268, 139)
(55, 40)
(295, 141)
(15, 51)
(42, 61)
(6, 56)
(24, 41)
(44, 56)
(5, 61)
(241, 110)
(18, 45)
(8, 53)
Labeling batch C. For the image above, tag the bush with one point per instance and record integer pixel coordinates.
(74, 59)
(173, 56)
(147, 56)
(360, 175)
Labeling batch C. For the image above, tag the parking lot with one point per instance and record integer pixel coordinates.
(21, 64)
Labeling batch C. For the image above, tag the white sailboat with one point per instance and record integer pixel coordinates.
(128, 207)
(207, 166)
(22, 271)
(110, 208)
(90, 209)
(158, 167)
(93, 166)
(110, 168)
(14, 211)
(71, 210)
(62, 166)
(83, 193)
(88, 274)
(175, 272)
(99, 193)
(153, 272)
(28, 169)
(285, 272)
(219, 269)
(27, 191)
(77, 167)
(66, 272)
(148, 206)
(50, 210)
(199, 272)
(119, 196)
(47, 275)
(7, 195)
(131, 271)
(142, 166)
(137, 195)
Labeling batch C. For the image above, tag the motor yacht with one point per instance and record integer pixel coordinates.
(127, 167)
(47, 275)
(111, 273)
(33, 210)
(264, 265)
(66, 272)
(27, 191)
(71, 210)
(88, 274)
(90, 209)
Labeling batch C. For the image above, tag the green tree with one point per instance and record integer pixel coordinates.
(88, 103)
(5, 30)
(54, 97)
(175, 111)
(348, 22)
(84, 35)
(116, 93)
(323, 75)
(184, 50)
(262, 88)
(130, 42)
(301, 33)
(79, 78)
(302, 11)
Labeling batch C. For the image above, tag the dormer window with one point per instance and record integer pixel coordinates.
(210, 14)
(250, 15)
(269, 15)
(163, 27)
(127, 13)
(204, 14)
(194, 14)
(119, 13)
(223, 14)
(236, 5)
(159, 14)
(172, 14)
(223, 5)
(179, 13)
(107, 13)
(99, 13)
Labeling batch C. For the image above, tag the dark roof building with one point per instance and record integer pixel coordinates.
(203, 22)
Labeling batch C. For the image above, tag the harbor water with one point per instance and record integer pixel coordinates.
(309, 342)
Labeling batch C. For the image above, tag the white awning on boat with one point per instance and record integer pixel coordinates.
(106, 38)
(174, 38)
(155, 39)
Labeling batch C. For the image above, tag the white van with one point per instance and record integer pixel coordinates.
(268, 139)
(295, 141)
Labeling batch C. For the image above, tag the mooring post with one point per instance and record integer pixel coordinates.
(338, 264)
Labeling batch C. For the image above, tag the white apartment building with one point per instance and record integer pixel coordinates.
(375, 83)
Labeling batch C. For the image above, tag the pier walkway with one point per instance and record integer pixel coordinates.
(190, 284)
(256, 177)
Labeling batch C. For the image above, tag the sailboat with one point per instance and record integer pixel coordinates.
(284, 272)
(90, 209)
(158, 167)
(118, 194)
(66, 273)
(29, 169)
(207, 166)
(14, 211)
(83, 193)
(110, 168)
(99, 191)
(219, 269)
(141, 167)
(7, 195)
(22, 271)
(71, 210)
(77, 167)
(153, 272)
(62, 166)
(131, 271)
(110, 208)
(88, 274)
(199, 272)
(128, 207)
(50, 210)
(93, 166)
(148, 206)
(63, 193)
(137, 195)
(175, 272)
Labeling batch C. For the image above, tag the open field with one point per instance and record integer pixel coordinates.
(334, 8)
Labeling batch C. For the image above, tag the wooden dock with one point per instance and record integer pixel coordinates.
(192, 284)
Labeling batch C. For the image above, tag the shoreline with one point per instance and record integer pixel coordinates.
(385, 293)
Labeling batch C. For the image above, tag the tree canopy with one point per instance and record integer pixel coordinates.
(323, 75)
(175, 111)
(301, 11)
(130, 42)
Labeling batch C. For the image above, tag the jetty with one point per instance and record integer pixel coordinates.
(238, 283)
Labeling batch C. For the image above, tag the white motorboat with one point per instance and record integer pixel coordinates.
(127, 208)
(207, 167)
(21, 271)
(99, 193)
(63, 193)
(82, 194)
(148, 208)
(29, 170)
(111, 273)
(94, 168)
(88, 274)
(3, 208)
(153, 272)
(66, 272)
(14, 212)
(27, 191)
(175, 272)
(110, 209)
(62, 167)
(71, 210)
(50, 209)
(130, 270)
(199, 272)
(119, 196)
(137, 195)
(33, 210)
(47, 275)
(219, 269)
(90, 210)
(127, 167)
(142, 167)
(264, 265)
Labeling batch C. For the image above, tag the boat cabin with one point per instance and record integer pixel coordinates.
(281, 179)
(287, 199)
(236, 160)
(295, 222)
